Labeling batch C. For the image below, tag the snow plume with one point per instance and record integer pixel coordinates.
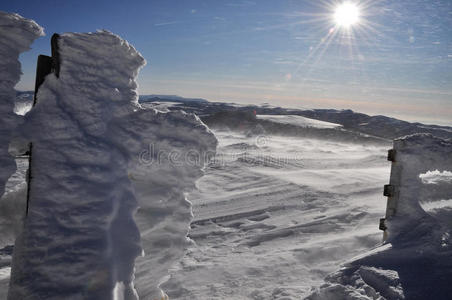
(415, 183)
(416, 260)
(16, 36)
(93, 173)
(436, 177)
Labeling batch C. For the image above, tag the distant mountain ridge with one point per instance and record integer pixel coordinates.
(378, 126)
(170, 98)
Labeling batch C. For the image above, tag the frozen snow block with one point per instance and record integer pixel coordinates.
(108, 192)
(16, 36)
(416, 155)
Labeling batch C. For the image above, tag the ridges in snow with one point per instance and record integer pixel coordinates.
(259, 236)
(416, 261)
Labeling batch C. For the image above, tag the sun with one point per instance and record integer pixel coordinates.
(346, 15)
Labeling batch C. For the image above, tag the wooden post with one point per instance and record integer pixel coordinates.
(412, 156)
(45, 66)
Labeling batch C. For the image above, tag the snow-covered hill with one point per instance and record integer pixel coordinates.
(274, 216)
(377, 126)
(298, 121)
(287, 200)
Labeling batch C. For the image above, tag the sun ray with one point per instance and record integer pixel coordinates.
(343, 24)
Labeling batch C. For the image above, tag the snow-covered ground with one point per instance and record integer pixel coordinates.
(275, 215)
(159, 105)
(298, 121)
(12, 211)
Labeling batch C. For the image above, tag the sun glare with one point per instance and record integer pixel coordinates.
(346, 14)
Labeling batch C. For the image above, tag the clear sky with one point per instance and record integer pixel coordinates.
(395, 60)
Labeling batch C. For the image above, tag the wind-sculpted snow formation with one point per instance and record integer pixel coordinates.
(16, 36)
(178, 146)
(97, 182)
(416, 260)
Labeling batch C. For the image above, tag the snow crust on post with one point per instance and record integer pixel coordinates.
(418, 156)
(16, 36)
(178, 145)
(91, 173)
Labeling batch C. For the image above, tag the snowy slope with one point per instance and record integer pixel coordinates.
(298, 121)
(380, 126)
(261, 232)
(273, 220)
(163, 106)
(23, 103)
(416, 260)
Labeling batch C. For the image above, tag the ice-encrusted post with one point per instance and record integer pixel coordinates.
(45, 65)
(97, 203)
(16, 36)
(412, 156)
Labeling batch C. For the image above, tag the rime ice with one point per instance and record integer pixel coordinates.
(88, 133)
(16, 36)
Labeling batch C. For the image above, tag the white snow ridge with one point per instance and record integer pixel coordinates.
(98, 198)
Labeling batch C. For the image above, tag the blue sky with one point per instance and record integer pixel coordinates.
(396, 61)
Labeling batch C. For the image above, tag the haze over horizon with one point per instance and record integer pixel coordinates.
(394, 60)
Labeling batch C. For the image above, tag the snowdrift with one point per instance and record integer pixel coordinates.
(415, 262)
(108, 180)
(298, 121)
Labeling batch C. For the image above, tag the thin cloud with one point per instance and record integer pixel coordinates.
(166, 23)
(241, 3)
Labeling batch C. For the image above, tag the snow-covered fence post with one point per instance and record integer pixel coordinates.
(16, 36)
(95, 204)
(412, 156)
(45, 65)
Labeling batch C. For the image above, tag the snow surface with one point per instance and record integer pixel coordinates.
(260, 232)
(13, 205)
(100, 198)
(160, 105)
(23, 103)
(298, 121)
(416, 261)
